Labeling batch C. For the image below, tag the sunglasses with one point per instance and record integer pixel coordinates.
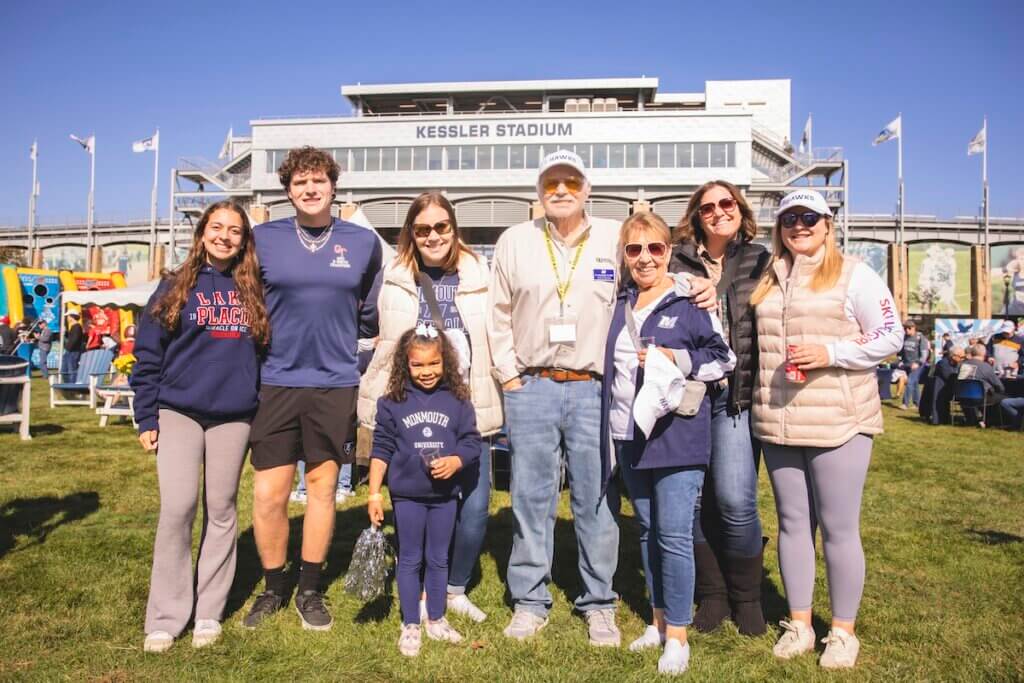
(808, 218)
(727, 204)
(572, 183)
(421, 230)
(655, 249)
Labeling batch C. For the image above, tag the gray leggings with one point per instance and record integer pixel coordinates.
(820, 486)
(186, 450)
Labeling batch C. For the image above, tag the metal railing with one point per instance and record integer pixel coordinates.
(214, 171)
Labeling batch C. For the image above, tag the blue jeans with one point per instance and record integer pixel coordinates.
(726, 509)
(69, 366)
(1013, 407)
(913, 390)
(663, 500)
(44, 353)
(540, 417)
(470, 525)
(344, 477)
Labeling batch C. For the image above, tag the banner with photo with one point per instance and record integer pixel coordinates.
(875, 254)
(939, 278)
(130, 259)
(64, 257)
(1007, 276)
(963, 330)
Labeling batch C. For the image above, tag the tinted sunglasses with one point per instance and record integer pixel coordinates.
(727, 204)
(808, 218)
(441, 228)
(655, 249)
(572, 183)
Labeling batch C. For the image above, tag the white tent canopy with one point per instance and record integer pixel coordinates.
(135, 296)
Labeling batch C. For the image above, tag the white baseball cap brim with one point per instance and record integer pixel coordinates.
(809, 199)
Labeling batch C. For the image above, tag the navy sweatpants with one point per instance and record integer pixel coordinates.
(425, 528)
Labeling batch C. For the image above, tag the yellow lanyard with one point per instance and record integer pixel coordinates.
(563, 287)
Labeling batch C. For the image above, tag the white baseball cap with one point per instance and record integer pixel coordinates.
(562, 157)
(809, 199)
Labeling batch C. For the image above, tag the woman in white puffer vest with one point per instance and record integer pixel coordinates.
(429, 244)
(824, 322)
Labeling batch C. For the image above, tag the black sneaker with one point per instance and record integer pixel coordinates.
(266, 604)
(313, 611)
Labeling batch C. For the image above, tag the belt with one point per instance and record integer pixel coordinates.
(560, 375)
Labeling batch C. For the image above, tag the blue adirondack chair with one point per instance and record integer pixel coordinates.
(94, 365)
(15, 394)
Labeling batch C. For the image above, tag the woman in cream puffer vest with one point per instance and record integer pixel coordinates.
(430, 243)
(833, 319)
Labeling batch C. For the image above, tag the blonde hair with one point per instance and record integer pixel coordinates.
(825, 275)
(641, 221)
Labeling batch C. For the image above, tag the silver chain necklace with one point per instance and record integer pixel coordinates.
(313, 244)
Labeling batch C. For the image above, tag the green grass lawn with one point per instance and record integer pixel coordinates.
(943, 522)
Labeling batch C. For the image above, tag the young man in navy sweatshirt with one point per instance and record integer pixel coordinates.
(316, 271)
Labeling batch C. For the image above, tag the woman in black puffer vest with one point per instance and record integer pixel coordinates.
(714, 240)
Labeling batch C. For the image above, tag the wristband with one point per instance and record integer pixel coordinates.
(374, 496)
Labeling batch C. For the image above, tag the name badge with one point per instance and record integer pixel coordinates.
(604, 274)
(562, 329)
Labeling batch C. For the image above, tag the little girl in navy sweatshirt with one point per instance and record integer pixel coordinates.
(196, 381)
(427, 442)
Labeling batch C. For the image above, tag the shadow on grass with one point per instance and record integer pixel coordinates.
(38, 517)
(349, 523)
(47, 429)
(991, 537)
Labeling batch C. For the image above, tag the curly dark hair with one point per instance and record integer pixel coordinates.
(245, 272)
(400, 375)
(302, 159)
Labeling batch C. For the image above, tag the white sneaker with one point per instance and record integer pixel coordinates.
(461, 605)
(298, 496)
(442, 630)
(524, 624)
(409, 641)
(652, 637)
(602, 628)
(158, 641)
(675, 659)
(797, 639)
(341, 495)
(841, 649)
(206, 632)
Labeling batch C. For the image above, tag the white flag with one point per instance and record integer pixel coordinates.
(805, 139)
(88, 144)
(225, 149)
(150, 144)
(978, 142)
(891, 130)
(33, 152)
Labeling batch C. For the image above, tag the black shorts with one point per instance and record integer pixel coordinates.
(303, 423)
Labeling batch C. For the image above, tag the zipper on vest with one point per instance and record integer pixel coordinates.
(787, 294)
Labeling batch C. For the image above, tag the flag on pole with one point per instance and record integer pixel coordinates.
(150, 144)
(88, 144)
(891, 130)
(805, 139)
(33, 152)
(978, 142)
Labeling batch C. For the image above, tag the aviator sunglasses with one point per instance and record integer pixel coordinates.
(726, 204)
(808, 218)
(655, 249)
(422, 230)
(572, 183)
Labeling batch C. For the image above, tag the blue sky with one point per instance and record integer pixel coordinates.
(121, 69)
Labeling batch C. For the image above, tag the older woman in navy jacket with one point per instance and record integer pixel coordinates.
(664, 471)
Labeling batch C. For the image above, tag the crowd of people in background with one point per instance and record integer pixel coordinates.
(637, 358)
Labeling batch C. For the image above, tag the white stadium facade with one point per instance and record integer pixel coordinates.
(480, 142)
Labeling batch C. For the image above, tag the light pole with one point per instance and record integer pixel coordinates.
(89, 145)
(33, 197)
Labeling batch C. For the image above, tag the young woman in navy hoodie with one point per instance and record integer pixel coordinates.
(427, 442)
(196, 380)
(664, 471)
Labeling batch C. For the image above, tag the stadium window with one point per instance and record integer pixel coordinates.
(372, 159)
(684, 155)
(666, 155)
(600, 155)
(358, 159)
(532, 156)
(271, 161)
(468, 160)
(616, 155)
(719, 155)
(483, 157)
(650, 156)
(451, 158)
(700, 155)
(501, 157)
(419, 158)
(633, 155)
(584, 152)
(731, 148)
(516, 157)
(404, 159)
(434, 158)
(387, 159)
